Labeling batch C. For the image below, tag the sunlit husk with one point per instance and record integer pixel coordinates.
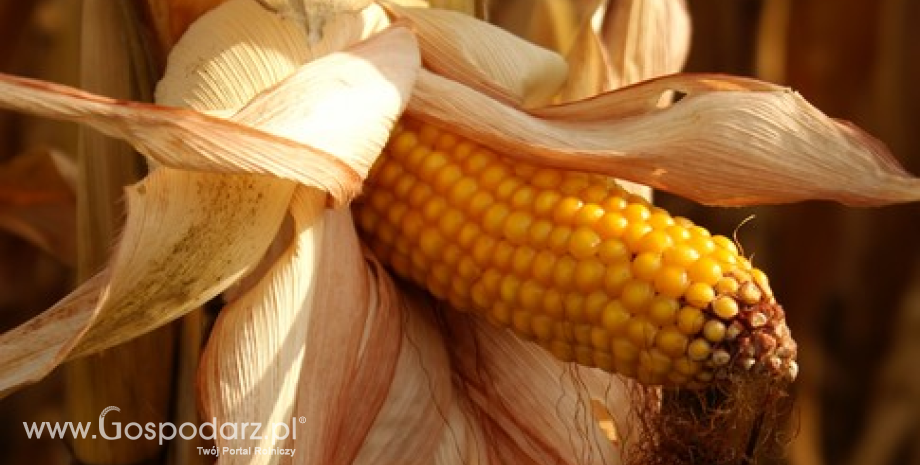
(496, 62)
(252, 362)
(756, 143)
(644, 39)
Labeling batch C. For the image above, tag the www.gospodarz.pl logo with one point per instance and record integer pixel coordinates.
(164, 431)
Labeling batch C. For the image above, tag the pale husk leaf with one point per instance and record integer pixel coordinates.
(588, 68)
(353, 328)
(753, 144)
(383, 67)
(163, 267)
(645, 39)
(489, 59)
(540, 406)
(251, 364)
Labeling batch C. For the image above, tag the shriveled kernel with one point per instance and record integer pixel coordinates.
(733, 330)
(646, 265)
(699, 295)
(749, 293)
(699, 350)
(758, 319)
(725, 307)
(583, 243)
(714, 331)
(721, 358)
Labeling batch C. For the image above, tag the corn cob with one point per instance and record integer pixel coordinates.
(571, 261)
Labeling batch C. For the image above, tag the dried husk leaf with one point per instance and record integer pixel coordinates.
(353, 343)
(377, 74)
(588, 68)
(489, 59)
(251, 365)
(541, 406)
(762, 144)
(163, 267)
(645, 38)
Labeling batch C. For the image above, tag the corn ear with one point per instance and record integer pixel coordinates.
(571, 261)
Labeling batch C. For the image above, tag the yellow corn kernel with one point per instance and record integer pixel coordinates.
(592, 273)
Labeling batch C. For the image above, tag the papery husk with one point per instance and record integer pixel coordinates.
(251, 365)
(644, 39)
(728, 141)
(178, 220)
(484, 56)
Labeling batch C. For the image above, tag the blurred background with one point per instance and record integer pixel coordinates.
(849, 278)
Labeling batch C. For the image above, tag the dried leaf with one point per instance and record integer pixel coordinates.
(645, 38)
(37, 202)
(251, 365)
(373, 79)
(588, 68)
(761, 144)
(485, 57)
(353, 340)
(164, 266)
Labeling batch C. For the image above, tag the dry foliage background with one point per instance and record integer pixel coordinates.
(849, 278)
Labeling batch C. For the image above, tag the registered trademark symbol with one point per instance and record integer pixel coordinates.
(303, 419)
